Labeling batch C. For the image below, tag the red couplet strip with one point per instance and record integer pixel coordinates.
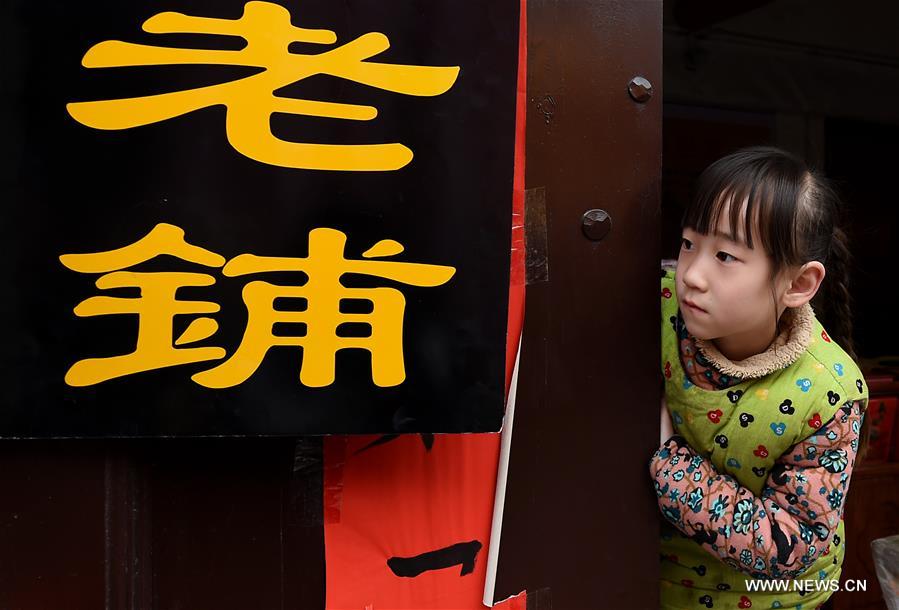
(407, 525)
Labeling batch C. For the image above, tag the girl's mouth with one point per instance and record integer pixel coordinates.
(694, 307)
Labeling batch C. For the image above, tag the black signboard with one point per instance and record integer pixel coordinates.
(260, 218)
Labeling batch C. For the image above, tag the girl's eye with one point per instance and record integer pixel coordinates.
(686, 244)
(725, 255)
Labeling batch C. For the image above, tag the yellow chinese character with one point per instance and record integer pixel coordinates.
(323, 293)
(156, 306)
(250, 101)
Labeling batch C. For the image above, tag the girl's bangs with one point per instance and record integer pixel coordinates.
(716, 200)
(768, 187)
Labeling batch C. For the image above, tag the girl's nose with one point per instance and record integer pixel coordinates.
(694, 277)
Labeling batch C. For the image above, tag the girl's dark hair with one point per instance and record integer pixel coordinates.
(797, 213)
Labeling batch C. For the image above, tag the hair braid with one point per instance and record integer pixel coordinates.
(836, 310)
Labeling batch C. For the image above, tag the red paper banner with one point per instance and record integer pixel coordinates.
(408, 518)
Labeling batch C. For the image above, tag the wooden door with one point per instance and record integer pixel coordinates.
(580, 525)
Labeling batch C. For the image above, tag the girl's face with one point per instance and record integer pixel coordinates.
(724, 290)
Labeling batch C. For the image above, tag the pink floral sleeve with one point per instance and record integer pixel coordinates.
(779, 534)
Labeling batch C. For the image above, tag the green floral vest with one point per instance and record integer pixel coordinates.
(727, 426)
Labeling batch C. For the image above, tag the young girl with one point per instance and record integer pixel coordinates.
(767, 406)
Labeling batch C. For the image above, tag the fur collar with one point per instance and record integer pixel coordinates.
(793, 339)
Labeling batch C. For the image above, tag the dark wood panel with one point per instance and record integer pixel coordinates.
(139, 524)
(872, 511)
(580, 520)
(52, 533)
(224, 529)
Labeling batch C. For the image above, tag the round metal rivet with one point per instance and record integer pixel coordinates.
(596, 224)
(640, 89)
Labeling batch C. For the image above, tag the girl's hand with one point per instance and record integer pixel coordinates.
(666, 427)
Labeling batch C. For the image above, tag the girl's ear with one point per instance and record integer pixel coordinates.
(804, 285)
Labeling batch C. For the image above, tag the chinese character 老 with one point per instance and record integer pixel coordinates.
(251, 101)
